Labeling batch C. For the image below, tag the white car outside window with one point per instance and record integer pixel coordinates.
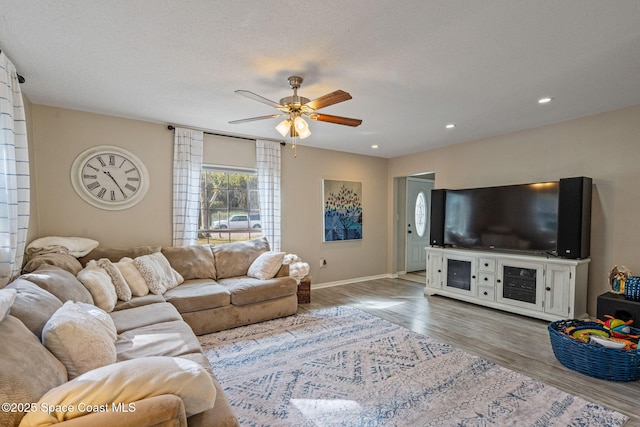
(238, 222)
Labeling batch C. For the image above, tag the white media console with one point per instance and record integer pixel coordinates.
(536, 286)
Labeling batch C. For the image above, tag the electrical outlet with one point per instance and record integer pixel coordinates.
(323, 262)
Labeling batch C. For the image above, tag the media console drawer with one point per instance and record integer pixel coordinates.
(487, 264)
(486, 279)
(486, 293)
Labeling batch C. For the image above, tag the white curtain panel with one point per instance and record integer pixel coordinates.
(268, 160)
(14, 173)
(187, 165)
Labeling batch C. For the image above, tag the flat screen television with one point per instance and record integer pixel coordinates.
(513, 217)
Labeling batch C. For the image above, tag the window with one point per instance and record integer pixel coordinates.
(229, 205)
(421, 214)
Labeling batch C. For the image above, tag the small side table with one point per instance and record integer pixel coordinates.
(304, 292)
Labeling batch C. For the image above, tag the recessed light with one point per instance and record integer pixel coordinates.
(450, 126)
(375, 146)
(545, 100)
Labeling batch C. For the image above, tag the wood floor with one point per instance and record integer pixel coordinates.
(513, 341)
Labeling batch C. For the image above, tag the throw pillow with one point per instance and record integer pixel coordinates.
(7, 296)
(98, 282)
(298, 271)
(157, 273)
(78, 340)
(103, 317)
(192, 262)
(133, 277)
(27, 371)
(64, 285)
(128, 382)
(33, 305)
(119, 282)
(266, 265)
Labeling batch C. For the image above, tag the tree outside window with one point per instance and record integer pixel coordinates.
(229, 205)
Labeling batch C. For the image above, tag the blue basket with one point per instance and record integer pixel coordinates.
(632, 288)
(592, 359)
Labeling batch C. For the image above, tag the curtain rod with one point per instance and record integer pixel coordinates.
(246, 138)
(20, 78)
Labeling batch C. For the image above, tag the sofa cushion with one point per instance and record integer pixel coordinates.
(139, 301)
(157, 272)
(78, 339)
(161, 339)
(198, 294)
(132, 276)
(33, 305)
(234, 259)
(128, 382)
(145, 315)
(248, 290)
(266, 265)
(116, 254)
(192, 262)
(64, 285)
(98, 282)
(27, 369)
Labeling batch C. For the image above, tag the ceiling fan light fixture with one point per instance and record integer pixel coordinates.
(283, 127)
(305, 133)
(302, 128)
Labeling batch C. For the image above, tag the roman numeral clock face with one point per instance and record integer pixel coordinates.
(109, 177)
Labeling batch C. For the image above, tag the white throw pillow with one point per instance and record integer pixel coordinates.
(133, 277)
(125, 383)
(117, 279)
(99, 284)
(78, 340)
(103, 317)
(266, 266)
(157, 272)
(7, 296)
(298, 271)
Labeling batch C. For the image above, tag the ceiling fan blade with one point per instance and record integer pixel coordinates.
(259, 98)
(328, 99)
(335, 119)
(252, 119)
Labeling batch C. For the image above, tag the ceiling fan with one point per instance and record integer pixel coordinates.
(296, 107)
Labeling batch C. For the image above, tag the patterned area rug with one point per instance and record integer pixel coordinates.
(344, 367)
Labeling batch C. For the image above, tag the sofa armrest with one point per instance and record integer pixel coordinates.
(165, 410)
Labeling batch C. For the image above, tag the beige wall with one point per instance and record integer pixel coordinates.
(605, 147)
(59, 135)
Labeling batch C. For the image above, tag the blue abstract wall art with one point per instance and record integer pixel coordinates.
(342, 210)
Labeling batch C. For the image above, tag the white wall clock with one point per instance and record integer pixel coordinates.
(109, 177)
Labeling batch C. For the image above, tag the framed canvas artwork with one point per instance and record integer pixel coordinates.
(342, 204)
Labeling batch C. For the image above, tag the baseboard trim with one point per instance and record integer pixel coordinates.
(354, 280)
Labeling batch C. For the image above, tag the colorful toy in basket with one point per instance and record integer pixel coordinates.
(620, 331)
(617, 328)
(585, 331)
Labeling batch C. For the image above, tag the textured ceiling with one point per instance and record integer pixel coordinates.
(412, 66)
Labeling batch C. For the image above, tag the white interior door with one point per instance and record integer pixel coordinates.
(418, 220)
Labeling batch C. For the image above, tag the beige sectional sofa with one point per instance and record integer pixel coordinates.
(154, 331)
